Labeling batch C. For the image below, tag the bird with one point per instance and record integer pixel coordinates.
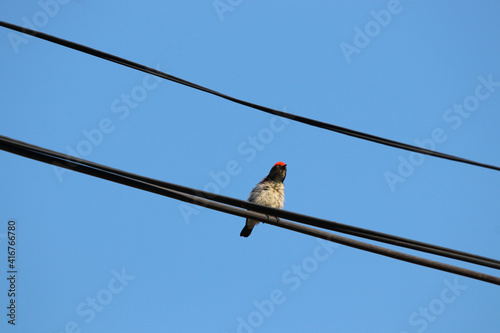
(269, 192)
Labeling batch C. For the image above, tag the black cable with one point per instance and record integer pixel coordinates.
(104, 173)
(313, 221)
(312, 122)
(386, 252)
(309, 220)
(199, 198)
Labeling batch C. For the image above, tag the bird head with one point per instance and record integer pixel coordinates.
(277, 173)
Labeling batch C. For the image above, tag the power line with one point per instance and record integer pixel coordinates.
(387, 252)
(104, 172)
(312, 122)
(71, 162)
(309, 220)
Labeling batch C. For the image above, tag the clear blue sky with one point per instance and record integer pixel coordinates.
(94, 256)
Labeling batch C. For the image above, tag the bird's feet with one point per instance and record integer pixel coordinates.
(277, 218)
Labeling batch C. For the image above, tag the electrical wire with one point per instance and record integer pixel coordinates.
(128, 179)
(312, 122)
(309, 220)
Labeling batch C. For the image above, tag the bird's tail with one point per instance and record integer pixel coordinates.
(246, 231)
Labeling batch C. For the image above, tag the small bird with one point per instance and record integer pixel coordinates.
(269, 192)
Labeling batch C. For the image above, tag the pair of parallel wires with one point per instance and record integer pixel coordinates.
(306, 224)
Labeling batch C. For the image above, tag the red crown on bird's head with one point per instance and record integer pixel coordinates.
(278, 167)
